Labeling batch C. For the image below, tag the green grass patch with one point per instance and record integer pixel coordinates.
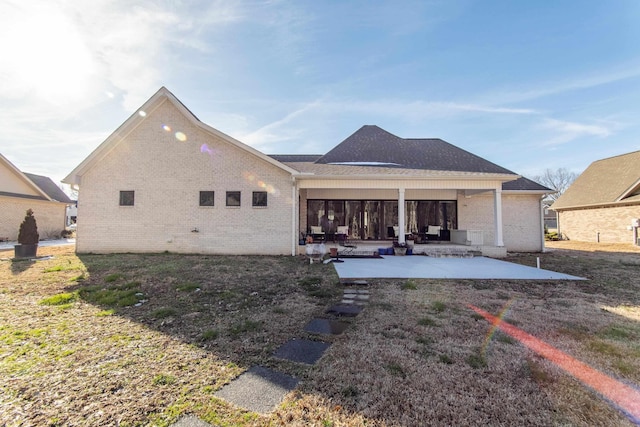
(396, 370)
(244, 327)
(187, 287)
(164, 379)
(409, 285)
(443, 358)
(438, 306)
(113, 277)
(426, 321)
(477, 361)
(615, 333)
(60, 299)
(124, 295)
(209, 335)
(163, 313)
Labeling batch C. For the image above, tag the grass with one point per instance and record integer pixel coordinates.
(143, 339)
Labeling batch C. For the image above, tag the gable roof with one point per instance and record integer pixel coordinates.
(614, 180)
(49, 187)
(36, 193)
(161, 96)
(375, 146)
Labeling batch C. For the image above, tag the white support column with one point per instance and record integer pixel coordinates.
(295, 216)
(401, 225)
(497, 210)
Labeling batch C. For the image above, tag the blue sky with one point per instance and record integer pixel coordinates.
(528, 85)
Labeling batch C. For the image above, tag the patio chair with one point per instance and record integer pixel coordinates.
(317, 233)
(433, 232)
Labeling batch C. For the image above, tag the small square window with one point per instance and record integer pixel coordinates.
(259, 198)
(207, 198)
(233, 198)
(127, 198)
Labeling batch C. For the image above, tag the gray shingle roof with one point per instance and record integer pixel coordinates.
(49, 187)
(524, 184)
(374, 151)
(371, 144)
(607, 181)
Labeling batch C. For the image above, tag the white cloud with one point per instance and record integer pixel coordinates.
(568, 131)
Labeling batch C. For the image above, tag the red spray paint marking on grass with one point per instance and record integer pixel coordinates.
(623, 396)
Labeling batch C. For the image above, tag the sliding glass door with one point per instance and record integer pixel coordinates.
(378, 219)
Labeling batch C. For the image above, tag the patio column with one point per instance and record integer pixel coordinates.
(498, 217)
(401, 225)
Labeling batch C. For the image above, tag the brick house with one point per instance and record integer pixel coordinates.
(20, 191)
(165, 181)
(602, 202)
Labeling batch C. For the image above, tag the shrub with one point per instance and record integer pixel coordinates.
(28, 233)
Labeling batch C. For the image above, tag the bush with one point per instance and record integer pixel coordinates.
(28, 234)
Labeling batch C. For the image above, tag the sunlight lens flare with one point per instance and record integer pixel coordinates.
(181, 136)
(494, 326)
(622, 396)
(166, 128)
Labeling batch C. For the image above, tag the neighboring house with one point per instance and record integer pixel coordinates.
(165, 181)
(602, 202)
(20, 191)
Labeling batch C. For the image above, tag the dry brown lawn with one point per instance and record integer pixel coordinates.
(133, 339)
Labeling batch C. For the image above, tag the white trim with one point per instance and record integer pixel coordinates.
(499, 240)
(23, 177)
(161, 96)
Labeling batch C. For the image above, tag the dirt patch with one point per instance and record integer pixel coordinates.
(137, 339)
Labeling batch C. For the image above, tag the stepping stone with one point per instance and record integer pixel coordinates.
(350, 291)
(191, 421)
(344, 310)
(362, 298)
(347, 282)
(259, 389)
(347, 301)
(302, 351)
(326, 326)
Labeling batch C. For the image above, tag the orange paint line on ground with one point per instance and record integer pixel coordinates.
(624, 396)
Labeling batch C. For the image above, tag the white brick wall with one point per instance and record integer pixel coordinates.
(520, 217)
(50, 216)
(607, 224)
(167, 175)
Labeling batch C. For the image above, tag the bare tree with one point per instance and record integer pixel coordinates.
(558, 180)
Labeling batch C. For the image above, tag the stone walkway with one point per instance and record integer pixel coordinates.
(262, 389)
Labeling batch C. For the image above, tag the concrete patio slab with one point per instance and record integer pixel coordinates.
(302, 351)
(259, 389)
(424, 267)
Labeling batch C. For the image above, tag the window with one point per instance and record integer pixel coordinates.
(127, 198)
(259, 198)
(206, 198)
(233, 198)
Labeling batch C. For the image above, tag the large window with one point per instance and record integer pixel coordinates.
(378, 219)
(207, 198)
(233, 198)
(127, 198)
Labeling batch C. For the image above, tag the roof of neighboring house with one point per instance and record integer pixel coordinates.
(43, 188)
(614, 180)
(49, 187)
